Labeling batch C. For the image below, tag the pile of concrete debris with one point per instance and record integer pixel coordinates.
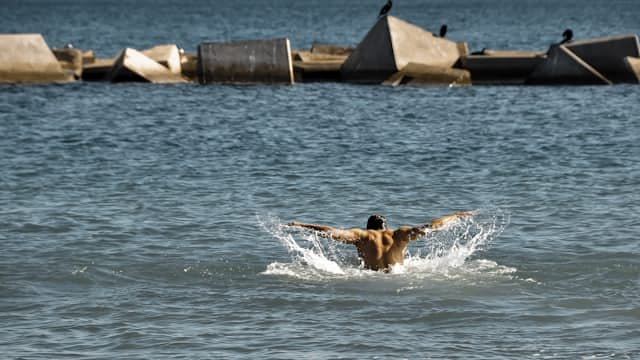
(393, 52)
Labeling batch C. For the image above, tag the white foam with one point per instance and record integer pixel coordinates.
(78, 270)
(445, 252)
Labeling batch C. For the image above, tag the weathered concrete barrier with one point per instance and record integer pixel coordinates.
(71, 61)
(420, 74)
(607, 55)
(132, 65)
(501, 67)
(26, 58)
(250, 61)
(563, 67)
(633, 64)
(392, 44)
(167, 56)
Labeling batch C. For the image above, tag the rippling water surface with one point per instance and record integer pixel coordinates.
(146, 221)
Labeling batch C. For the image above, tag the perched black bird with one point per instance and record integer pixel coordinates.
(385, 9)
(443, 30)
(567, 35)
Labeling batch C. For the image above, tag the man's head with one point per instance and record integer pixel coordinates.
(377, 222)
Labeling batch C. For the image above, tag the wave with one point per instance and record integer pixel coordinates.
(444, 253)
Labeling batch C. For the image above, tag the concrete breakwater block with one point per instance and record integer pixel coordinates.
(71, 61)
(392, 44)
(132, 65)
(189, 65)
(248, 61)
(633, 64)
(98, 69)
(323, 71)
(504, 68)
(167, 56)
(26, 58)
(310, 57)
(420, 74)
(318, 66)
(88, 57)
(607, 55)
(563, 67)
(331, 49)
(511, 53)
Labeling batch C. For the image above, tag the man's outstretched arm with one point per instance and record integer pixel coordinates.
(410, 233)
(442, 221)
(346, 236)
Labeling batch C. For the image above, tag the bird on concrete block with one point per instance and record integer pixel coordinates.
(443, 30)
(385, 9)
(567, 35)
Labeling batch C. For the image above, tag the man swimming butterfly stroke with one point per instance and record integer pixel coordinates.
(378, 246)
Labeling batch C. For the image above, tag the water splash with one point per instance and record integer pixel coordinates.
(79, 270)
(443, 252)
(316, 258)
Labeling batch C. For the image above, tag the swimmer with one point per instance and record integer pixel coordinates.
(378, 246)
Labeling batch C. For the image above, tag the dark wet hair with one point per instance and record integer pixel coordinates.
(377, 222)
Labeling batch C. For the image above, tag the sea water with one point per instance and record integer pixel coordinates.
(143, 221)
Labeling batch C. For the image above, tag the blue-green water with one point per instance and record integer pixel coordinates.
(145, 221)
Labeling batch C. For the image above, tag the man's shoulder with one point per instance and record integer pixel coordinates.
(403, 232)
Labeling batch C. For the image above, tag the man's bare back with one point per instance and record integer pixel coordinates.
(378, 246)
